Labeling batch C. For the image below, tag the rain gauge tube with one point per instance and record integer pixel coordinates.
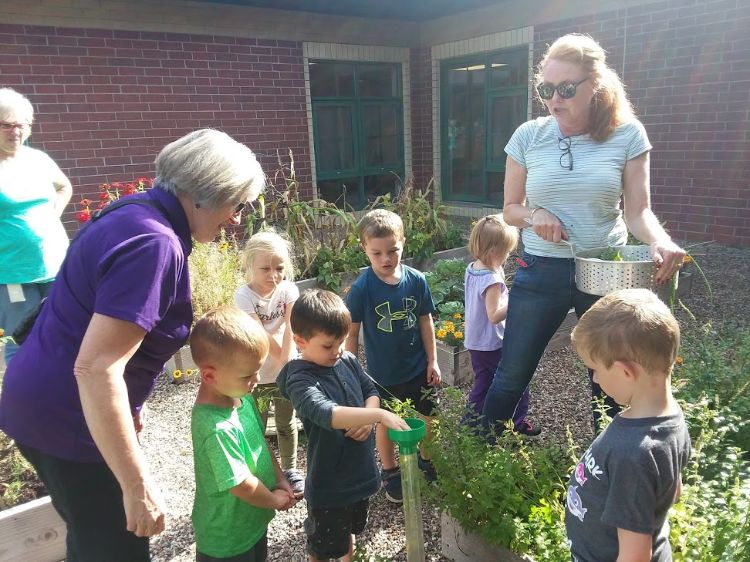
(407, 441)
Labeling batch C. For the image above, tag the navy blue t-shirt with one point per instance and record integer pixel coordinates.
(389, 315)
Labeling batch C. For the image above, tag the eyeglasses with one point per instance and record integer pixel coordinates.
(10, 126)
(565, 90)
(239, 208)
(564, 144)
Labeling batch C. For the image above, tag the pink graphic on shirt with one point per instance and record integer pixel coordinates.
(581, 474)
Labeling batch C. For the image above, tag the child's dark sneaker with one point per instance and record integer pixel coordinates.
(427, 469)
(527, 429)
(392, 485)
(296, 481)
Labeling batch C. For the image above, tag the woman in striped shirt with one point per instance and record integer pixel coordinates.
(566, 174)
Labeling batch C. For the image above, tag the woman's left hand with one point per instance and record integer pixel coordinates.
(668, 256)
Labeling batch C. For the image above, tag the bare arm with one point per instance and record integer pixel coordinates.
(515, 211)
(643, 223)
(496, 306)
(633, 547)
(252, 491)
(427, 330)
(352, 340)
(362, 432)
(63, 190)
(99, 370)
(345, 417)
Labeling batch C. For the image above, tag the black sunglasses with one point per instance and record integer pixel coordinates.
(565, 90)
(564, 144)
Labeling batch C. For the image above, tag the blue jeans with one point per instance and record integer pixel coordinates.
(543, 291)
(11, 313)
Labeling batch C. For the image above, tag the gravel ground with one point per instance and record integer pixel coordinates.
(559, 398)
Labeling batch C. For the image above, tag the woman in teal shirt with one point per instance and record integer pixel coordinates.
(33, 195)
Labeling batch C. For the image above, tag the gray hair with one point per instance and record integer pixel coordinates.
(16, 106)
(210, 167)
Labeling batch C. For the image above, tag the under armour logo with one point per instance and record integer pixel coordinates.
(387, 317)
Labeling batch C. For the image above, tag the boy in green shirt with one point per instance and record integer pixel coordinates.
(238, 483)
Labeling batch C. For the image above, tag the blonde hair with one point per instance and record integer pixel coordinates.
(629, 325)
(492, 233)
(210, 167)
(17, 106)
(267, 242)
(224, 332)
(610, 106)
(380, 223)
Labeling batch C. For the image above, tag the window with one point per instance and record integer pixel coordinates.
(484, 99)
(357, 130)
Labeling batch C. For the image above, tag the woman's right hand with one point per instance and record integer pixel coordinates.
(548, 226)
(144, 510)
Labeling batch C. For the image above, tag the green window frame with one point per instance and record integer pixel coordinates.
(484, 98)
(358, 130)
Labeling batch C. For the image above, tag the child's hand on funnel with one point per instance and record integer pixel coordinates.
(392, 421)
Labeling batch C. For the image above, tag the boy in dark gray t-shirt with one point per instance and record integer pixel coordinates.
(625, 483)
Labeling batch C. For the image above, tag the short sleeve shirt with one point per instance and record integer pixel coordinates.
(479, 333)
(130, 265)
(627, 479)
(228, 447)
(271, 311)
(34, 241)
(389, 315)
(586, 199)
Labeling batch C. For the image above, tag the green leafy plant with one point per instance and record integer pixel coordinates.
(446, 282)
(500, 491)
(215, 273)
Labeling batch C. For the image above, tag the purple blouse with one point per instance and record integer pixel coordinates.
(131, 265)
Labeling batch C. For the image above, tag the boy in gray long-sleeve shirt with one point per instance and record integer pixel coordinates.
(623, 487)
(338, 405)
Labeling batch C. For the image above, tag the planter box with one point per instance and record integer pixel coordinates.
(455, 364)
(464, 546)
(32, 532)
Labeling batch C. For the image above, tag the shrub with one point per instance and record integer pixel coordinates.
(215, 274)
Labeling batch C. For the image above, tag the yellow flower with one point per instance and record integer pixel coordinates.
(457, 316)
(176, 374)
(459, 335)
(224, 246)
(679, 360)
(2, 332)
(441, 333)
(687, 259)
(189, 372)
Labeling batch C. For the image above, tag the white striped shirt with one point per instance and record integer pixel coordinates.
(585, 199)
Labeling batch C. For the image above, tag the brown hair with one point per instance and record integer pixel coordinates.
(317, 311)
(223, 332)
(380, 223)
(489, 233)
(610, 106)
(629, 325)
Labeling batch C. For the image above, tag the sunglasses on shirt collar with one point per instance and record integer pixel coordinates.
(565, 90)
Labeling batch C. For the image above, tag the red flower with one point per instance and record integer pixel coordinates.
(104, 196)
(83, 216)
(85, 202)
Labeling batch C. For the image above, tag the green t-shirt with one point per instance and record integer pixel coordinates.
(228, 446)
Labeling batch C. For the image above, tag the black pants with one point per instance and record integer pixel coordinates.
(89, 499)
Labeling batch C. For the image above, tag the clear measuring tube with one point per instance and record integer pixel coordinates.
(410, 485)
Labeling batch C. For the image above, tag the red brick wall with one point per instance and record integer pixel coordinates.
(421, 110)
(107, 101)
(687, 71)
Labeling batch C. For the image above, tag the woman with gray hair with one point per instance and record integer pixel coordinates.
(121, 306)
(33, 195)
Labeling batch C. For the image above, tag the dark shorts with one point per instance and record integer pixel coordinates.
(422, 396)
(329, 530)
(259, 553)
